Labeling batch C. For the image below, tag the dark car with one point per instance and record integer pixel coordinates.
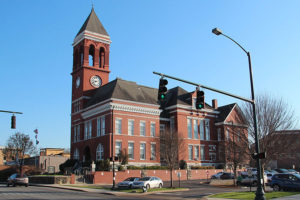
(17, 179)
(227, 175)
(285, 181)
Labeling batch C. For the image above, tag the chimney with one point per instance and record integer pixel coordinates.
(215, 103)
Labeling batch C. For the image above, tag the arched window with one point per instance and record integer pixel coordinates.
(80, 59)
(91, 55)
(76, 154)
(101, 57)
(100, 152)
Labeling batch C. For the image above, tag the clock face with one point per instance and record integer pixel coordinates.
(77, 82)
(96, 81)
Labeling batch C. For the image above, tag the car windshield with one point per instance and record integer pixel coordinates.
(13, 176)
(145, 179)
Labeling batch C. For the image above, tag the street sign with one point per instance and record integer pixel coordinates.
(178, 174)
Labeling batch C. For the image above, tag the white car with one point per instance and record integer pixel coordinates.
(148, 182)
(127, 183)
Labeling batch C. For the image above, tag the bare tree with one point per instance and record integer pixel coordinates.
(171, 146)
(236, 146)
(20, 144)
(273, 115)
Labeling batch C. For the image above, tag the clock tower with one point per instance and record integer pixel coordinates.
(90, 61)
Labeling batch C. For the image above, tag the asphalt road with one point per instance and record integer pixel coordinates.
(196, 191)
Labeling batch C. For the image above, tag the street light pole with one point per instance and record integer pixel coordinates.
(259, 191)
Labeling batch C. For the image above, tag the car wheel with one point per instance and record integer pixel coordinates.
(14, 185)
(26, 185)
(238, 183)
(160, 185)
(147, 186)
(7, 185)
(276, 188)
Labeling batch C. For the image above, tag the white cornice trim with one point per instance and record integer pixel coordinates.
(92, 36)
(202, 114)
(135, 102)
(191, 109)
(120, 107)
(231, 124)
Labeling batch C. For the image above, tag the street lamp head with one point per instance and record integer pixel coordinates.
(217, 31)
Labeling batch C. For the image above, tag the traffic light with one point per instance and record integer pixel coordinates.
(162, 90)
(261, 155)
(13, 122)
(200, 100)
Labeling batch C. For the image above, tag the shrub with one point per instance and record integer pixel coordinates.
(67, 164)
(120, 168)
(202, 167)
(102, 165)
(182, 164)
(123, 157)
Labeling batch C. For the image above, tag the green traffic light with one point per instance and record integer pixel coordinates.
(162, 96)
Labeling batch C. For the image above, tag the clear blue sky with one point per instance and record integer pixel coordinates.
(170, 36)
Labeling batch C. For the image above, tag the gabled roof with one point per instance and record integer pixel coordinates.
(224, 112)
(124, 90)
(93, 24)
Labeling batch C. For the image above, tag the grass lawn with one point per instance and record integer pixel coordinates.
(251, 195)
(150, 190)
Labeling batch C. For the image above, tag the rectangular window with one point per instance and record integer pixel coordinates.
(162, 129)
(153, 152)
(90, 129)
(142, 151)
(142, 128)
(130, 127)
(118, 148)
(219, 134)
(196, 152)
(227, 134)
(190, 152)
(202, 152)
(201, 128)
(78, 133)
(103, 125)
(86, 129)
(152, 129)
(131, 150)
(172, 124)
(189, 126)
(118, 123)
(212, 147)
(98, 126)
(75, 134)
(212, 156)
(196, 136)
(207, 132)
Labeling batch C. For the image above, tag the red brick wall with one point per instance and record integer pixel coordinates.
(104, 177)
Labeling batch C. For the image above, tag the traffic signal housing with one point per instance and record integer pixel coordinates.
(200, 100)
(261, 155)
(162, 89)
(13, 122)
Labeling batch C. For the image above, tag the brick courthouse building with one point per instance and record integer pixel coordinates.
(132, 113)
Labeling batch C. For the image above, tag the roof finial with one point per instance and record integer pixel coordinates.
(92, 4)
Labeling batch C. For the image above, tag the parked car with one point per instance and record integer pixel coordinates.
(281, 170)
(217, 175)
(17, 179)
(227, 175)
(127, 183)
(285, 181)
(253, 171)
(244, 179)
(148, 182)
(292, 171)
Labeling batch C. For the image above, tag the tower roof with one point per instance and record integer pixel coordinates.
(93, 24)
